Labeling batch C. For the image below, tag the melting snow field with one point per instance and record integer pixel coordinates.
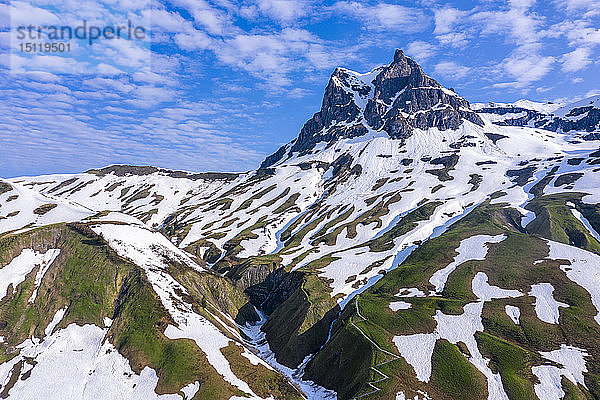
(49, 258)
(410, 292)
(400, 305)
(417, 349)
(572, 360)
(15, 272)
(514, 313)
(584, 269)
(546, 307)
(27, 200)
(79, 364)
(421, 396)
(486, 292)
(471, 249)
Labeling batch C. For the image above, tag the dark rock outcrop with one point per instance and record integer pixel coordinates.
(338, 106)
(584, 119)
(128, 170)
(400, 99)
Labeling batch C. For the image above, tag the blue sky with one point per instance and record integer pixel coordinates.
(220, 84)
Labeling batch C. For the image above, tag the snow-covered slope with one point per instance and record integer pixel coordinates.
(22, 207)
(402, 227)
(582, 116)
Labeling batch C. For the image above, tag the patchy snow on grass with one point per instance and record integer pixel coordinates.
(15, 272)
(190, 390)
(399, 305)
(210, 340)
(420, 396)
(470, 249)
(58, 316)
(584, 269)
(410, 292)
(49, 258)
(513, 312)
(550, 386)
(572, 360)
(546, 307)
(76, 363)
(486, 292)
(142, 246)
(27, 201)
(149, 250)
(417, 350)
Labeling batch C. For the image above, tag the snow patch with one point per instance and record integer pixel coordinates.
(58, 316)
(80, 365)
(584, 269)
(573, 361)
(417, 349)
(486, 292)
(399, 305)
(513, 312)
(49, 258)
(16, 271)
(546, 307)
(471, 249)
(410, 292)
(586, 223)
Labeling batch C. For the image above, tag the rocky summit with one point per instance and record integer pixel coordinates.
(406, 245)
(396, 99)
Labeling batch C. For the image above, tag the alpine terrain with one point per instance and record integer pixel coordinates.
(406, 245)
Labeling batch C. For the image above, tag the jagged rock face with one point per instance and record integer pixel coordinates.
(399, 98)
(338, 106)
(589, 121)
(400, 74)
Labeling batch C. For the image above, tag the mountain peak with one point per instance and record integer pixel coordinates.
(396, 98)
(398, 55)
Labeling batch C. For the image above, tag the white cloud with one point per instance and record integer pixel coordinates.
(384, 16)
(446, 18)
(577, 32)
(574, 5)
(120, 85)
(525, 70)
(284, 10)
(454, 39)
(214, 20)
(272, 56)
(576, 60)
(22, 13)
(593, 92)
(194, 40)
(451, 70)
(420, 50)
